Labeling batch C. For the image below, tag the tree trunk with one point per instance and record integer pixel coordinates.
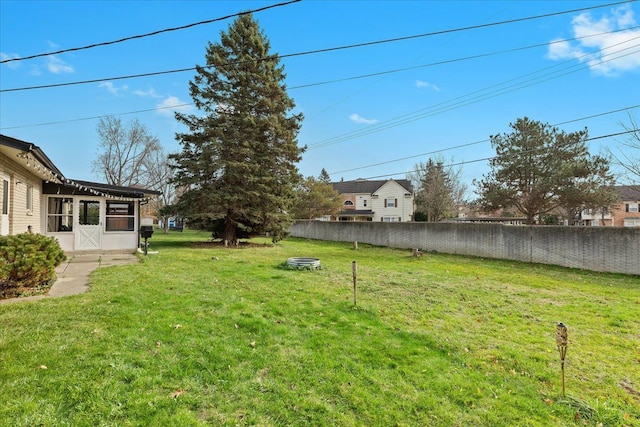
(230, 235)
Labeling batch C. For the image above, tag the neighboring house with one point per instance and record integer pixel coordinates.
(469, 212)
(385, 200)
(624, 214)
(83, 216)
(627, 212)
(594, 218)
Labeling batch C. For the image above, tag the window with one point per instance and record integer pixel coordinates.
(390, 202)
(29, 197)
(364, 203)
(120, 216)
(348, 203)
(89, 212)
(390, 219)
(633, 207)
(59, 214)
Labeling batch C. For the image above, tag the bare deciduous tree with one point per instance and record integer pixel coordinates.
(159, 176)
(628, 154)
(124, 151)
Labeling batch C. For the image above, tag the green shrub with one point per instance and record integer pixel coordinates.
(28, 261)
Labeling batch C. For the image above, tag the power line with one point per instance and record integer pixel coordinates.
(471, 27)
(465, 58)
(478, 142)
(81, 119)
(490, 92)
(153, 33)
(493, 157)
(330, 49)
(345, 79)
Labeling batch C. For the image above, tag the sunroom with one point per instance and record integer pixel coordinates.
(88, 216)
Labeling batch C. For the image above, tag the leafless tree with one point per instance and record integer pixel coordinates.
(628, 153)
(159, 176)
(124, 152)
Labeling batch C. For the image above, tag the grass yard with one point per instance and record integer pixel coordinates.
(201, 335)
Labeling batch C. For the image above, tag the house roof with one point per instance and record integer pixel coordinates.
(21, 152)
(24, 153)
(362, 186)
(94, 188)
(628, 192)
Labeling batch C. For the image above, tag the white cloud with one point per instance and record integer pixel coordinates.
(358, 119)
(113, 89)
(561, 49)
(425, 85)
(6, 56)
(606, 54)
(151, 93)
(35, 71)
(53, 45)
(172, 104)
(56, 65)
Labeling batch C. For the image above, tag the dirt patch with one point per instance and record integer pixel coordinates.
(8, 292)
(628, 386)
(220, 244)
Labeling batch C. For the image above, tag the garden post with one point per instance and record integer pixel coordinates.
(354, 269)
(562, 340)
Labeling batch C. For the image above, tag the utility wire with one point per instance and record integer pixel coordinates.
(489, 92)
(493, 157)
(345, 79)
(331, 49)
(471, 27)
(209, 21)
(81, 119)
(464, 58)
(478, 142)
(460, 102)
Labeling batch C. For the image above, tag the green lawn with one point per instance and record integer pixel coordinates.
(201, 335)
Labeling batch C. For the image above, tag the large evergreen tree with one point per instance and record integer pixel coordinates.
(238, 160)
(538, 168)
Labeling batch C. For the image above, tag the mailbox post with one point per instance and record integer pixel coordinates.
(146, 231)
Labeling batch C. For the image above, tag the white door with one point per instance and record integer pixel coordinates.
(5, 199)
(89, 230)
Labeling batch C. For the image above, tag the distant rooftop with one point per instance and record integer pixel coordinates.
(628, 192)
(362, 186)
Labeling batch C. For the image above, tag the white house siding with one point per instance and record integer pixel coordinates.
(403, 212)
(363, 201)
(19, 179)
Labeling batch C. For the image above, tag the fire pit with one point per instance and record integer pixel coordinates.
(306, 263)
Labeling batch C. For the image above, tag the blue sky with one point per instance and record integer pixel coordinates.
(434, 101)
